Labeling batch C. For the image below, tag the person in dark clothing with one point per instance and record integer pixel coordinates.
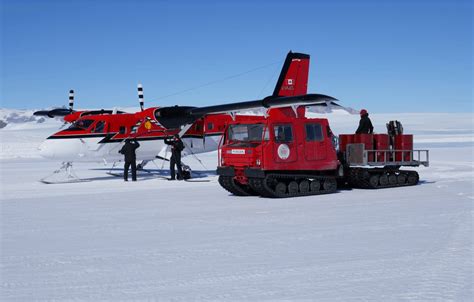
(365, 125)
(128, 150)
(177, 146)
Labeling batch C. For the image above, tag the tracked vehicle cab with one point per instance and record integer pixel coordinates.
(243, 142)
(283, 154)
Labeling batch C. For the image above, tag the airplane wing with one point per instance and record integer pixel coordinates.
(268, 102)
(59, 112)
(54, 112)
(177, 116)
(290, 90)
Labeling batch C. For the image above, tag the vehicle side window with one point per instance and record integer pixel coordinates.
(314, 132)
(283, 133)
(210, 126)
(99, 127)
(122, 130)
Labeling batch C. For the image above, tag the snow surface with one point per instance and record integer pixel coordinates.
(103, 239)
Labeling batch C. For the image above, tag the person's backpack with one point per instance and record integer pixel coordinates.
(179, 146)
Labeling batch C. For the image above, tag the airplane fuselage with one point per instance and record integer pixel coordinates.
(90, 149)
(98, 137)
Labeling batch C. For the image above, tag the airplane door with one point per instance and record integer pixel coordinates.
(284, 148)
(315, 148)
(97, 132)
(194, 138)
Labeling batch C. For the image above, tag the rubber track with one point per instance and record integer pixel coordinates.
(228, 183)
(262, 185)
(257, 184)
(360, 178)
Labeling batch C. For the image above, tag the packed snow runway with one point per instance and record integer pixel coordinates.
(104, 239)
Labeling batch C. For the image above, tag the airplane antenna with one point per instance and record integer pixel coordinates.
(71, 99)
(140, 96)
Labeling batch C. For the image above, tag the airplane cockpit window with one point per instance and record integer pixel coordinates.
(99, 127)
(80, 125)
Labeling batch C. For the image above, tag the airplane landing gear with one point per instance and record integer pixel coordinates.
(65, 174)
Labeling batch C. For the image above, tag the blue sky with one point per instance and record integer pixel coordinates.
(386, 56)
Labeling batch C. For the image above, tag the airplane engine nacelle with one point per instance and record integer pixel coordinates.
(174, 117)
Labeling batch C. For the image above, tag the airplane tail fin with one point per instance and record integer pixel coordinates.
(293, 78)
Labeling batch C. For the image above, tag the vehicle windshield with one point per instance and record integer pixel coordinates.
(80, 125)
(245, 133)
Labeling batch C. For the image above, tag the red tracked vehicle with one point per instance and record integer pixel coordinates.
(286, 154)
(282, 155)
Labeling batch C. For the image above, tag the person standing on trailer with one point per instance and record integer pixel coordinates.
(130, 157)
(365, 125)
(177, 146)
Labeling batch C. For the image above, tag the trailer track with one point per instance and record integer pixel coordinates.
(365, 178)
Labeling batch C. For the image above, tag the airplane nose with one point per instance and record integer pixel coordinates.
(67, 149)
(46, 150)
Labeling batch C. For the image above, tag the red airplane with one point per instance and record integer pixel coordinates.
(96, 136)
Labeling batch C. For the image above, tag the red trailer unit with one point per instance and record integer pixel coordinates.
(344, 140)
(381, 142)
(403, 142)
(368, 141)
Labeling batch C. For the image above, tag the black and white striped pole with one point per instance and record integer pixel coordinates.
(140, 96)
(71, 99)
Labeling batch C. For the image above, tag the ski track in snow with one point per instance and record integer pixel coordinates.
(105, 240)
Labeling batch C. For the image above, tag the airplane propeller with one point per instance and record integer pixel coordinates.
(58, 112)
(140, 96)
(71, 100)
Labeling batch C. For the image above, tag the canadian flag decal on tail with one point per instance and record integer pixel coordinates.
(293, 78)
